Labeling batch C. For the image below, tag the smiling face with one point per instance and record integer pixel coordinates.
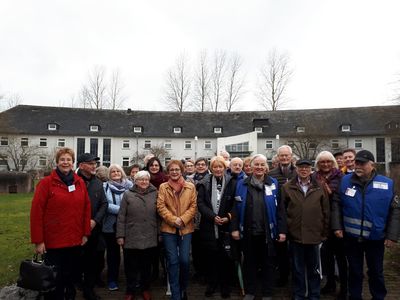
(236, 165)
(304, 171)
(348, 158)
(174, 172)
(325, 164)
(364, 169)
(154, 167)
(260, 167)
(88, 168)
(218, 169)
(142, 182)
(65, 163)
(201, 166)
(115, 174)
(284, 156)
(189, 167)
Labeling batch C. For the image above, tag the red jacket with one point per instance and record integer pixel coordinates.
(60, 218)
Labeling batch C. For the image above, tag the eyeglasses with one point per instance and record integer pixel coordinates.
(142, 179)
(304, 167)
(174, 170)
(325, 161)
(90, 163)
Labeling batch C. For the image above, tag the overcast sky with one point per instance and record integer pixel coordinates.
(343, 53)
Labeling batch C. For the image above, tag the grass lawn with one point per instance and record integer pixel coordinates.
(14, 235)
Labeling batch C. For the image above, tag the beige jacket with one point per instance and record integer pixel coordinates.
(170, 207)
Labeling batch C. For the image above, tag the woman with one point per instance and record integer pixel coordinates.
(328, 174)
(157, 176)
(137, 233)
(247, 166)
(258, 222)
(176, 204)
(114, 189)
(190, 170)
(215, 200)
(60, 221)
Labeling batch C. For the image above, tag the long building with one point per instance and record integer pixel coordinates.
(123, 136)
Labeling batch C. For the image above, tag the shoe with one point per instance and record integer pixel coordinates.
(112, 286)
(184, 295)
(146, 295)
(329, 288)
(209, 291)
(129, 297)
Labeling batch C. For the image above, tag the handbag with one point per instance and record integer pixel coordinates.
(35, 274)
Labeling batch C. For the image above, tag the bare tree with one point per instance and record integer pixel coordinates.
(201, 90)
(115, 88)
(93, 94)
(234, 82)
(18, 156)
(274, 79)
(158, 151)
(217, 79)
(178, 84)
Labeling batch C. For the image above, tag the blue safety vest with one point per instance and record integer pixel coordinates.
(366, 209)
(270, 203)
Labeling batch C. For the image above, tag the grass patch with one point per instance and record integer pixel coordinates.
(14, 235)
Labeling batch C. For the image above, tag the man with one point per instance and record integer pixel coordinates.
(283, 173)
(236, 168)
(93, 259)
(226, 156)
(339, 159)
(348, 158)
(307, 209)
(366, 213)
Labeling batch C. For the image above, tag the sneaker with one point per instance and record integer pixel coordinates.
(112, 286)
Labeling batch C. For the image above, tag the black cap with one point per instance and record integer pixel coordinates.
(364, 156)
(86, 157)
(303, 161)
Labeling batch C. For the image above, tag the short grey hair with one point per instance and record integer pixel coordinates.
(141, 174)
(283, 147)
(259, 156)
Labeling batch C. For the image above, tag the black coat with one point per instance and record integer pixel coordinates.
(207, 232)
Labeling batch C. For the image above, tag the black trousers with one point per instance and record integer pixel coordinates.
(67, 262)
(92, 260)
(137, 264)
(113, 256)
(255, 257)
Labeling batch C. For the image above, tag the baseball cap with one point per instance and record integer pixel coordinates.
(86, 157)
(303, 161)
(364, 156)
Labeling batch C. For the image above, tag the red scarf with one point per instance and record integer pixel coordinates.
(177, 185)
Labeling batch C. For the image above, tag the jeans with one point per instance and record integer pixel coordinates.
(373, 251)
(306, 272)
(177, 250)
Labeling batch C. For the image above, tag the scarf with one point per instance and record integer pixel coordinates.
(67, 179)
(217, 190)
(119, 187)
(157, 179)
(256, 183)
(178, 185)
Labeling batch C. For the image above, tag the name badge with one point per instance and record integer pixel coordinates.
(71, 188)
(350, 192)
(238, 198)
(273, 187)
(380, 185)
(268, 191)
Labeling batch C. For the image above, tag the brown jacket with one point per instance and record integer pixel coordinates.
(170, 207)
(307, 215)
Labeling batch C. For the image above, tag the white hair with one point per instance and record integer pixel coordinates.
(141, 174)
(285, 147)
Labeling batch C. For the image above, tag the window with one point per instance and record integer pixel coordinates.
(4, 141)
(207, 145)
(43, 142)
(126, 144)
(358, 144)
(188, 145)
(94, 128)
(80, 148)
(24, 142)
(61, 143)
(241, 147)
(258, 129)
(94, 146)
(42, 161)
(335, 144)
(168, 144)
(217, 129)
(147, 144)
(125, 161)
(106, 152)
(380, 149)
(177, 129)
(313, 145)
(346, 128)
(300, 129)
(52, 126)
(291, 143)
(268, 144)
(137, 129)
(167, 160)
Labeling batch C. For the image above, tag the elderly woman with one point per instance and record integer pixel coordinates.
(328, 174)
(60, 221)
(259, 221)
(137, 233)
(247, 166)
(215, 200)
(176, 204)
(114, 189)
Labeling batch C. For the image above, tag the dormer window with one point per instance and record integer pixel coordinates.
(217, 129)
(177, 129)
(137, 129)
(300, 129)
(258, 129)
(52, 126)
(94, 128)
(346, 128)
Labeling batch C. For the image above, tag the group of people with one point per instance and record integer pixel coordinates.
(221, 215)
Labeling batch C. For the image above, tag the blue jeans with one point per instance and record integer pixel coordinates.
(177, 250)
(306, 273)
